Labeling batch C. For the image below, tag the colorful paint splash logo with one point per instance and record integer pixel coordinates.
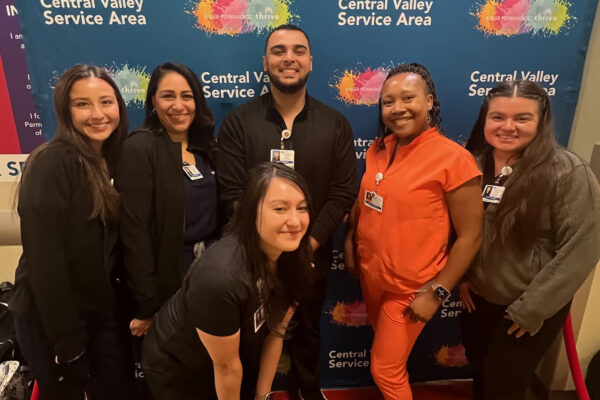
(353, 314)
(517, 17)
(360, 87)
(235, 17)
(453, 357)
(132, 82)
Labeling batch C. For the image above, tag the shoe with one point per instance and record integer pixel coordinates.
(311, 394)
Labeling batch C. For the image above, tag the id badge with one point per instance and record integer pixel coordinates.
(259, 318)
(492, 194)
(374, 201)
(286, 157)
(192, 172)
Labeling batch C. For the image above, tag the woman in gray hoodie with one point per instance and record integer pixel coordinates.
(541, 236)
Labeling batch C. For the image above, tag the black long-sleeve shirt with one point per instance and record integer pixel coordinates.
(324, 155)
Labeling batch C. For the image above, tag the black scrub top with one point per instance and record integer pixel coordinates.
(220, 297)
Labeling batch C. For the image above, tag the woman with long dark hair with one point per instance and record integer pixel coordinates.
(541, 235)
(167, 181)
(418, 188)
(220, 336)
(65, 300)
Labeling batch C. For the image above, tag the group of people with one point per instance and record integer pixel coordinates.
(210, 254)
(512, 219)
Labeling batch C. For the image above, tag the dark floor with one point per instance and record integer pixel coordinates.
(445, 390)
(426, 391)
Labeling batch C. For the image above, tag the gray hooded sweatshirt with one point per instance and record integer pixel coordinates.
(536, 283)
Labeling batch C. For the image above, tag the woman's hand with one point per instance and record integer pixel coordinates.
(139, 327)
(464, 292)
(423, 307)
(515, 328)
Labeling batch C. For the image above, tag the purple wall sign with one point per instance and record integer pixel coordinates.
(12, 51)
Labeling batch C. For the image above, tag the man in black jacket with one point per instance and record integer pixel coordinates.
(288, 126)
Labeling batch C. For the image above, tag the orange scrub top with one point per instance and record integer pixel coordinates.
(406, 244)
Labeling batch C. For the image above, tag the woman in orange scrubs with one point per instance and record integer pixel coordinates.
(418, 188)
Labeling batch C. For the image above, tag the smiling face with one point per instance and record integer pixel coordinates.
(94, 109)
(287, 60)
(282, 218)
(405, 105)
(174, 104)
(511, 123)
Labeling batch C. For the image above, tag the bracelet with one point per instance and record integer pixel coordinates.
(277, 334)
(70, 361)
(268, 396)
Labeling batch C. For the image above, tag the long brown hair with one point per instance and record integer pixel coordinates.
(518, 214)
(105, 200)
(292, 282)
(201, 130)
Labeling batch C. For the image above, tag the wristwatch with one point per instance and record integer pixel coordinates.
(439, 291)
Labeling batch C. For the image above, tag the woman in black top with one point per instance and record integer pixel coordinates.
(65, 302)
(221, 335)
(168, 190)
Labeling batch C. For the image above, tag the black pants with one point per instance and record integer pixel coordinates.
(503, 366)
(105, 369)
(140, 387)
(169, 379)
(305, 343)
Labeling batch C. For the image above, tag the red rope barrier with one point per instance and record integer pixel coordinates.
(569, 337)
(35, 395)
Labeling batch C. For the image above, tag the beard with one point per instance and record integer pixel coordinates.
(285, 88)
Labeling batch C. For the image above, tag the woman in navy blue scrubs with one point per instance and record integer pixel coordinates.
(168, 190)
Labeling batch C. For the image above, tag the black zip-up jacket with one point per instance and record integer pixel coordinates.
(149, 180)
(64, 275)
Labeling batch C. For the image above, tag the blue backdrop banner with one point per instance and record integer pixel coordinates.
(469, 46)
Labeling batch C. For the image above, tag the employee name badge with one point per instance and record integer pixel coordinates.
(192, 172)
(259, 318)
(374, 201)
(492, 194)
(286, 157)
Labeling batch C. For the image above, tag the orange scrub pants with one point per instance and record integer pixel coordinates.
(394, 338)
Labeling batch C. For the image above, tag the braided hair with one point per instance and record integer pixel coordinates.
(434, 113)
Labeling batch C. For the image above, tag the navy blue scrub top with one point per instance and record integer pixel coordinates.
(201, 220)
